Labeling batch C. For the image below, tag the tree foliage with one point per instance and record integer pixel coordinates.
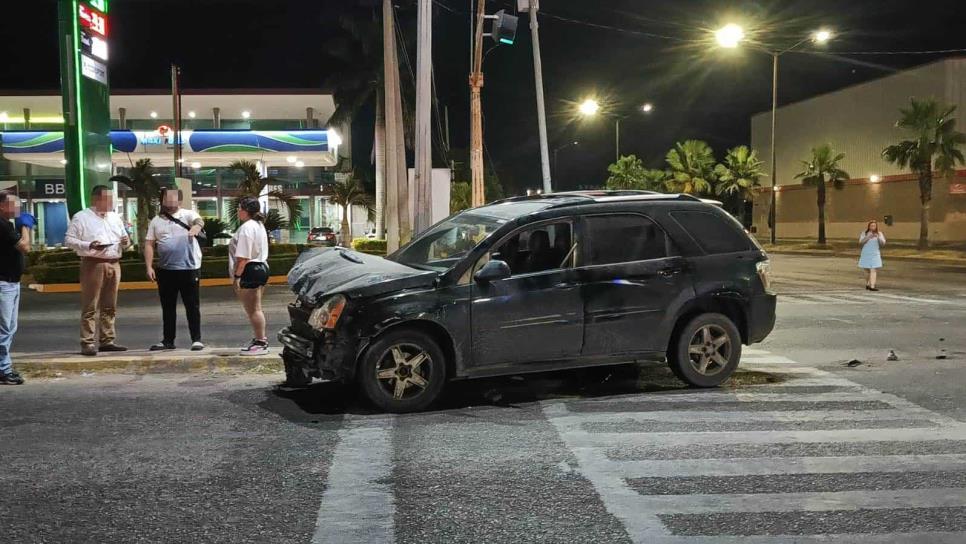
(739, 174)
(691, 168)
(144, 184)
(934, 146)
(253, 184)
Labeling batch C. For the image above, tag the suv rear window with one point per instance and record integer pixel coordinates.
(622, 238)
(713, 233)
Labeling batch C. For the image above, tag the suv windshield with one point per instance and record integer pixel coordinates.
(444, 245)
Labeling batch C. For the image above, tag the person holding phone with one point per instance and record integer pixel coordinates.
(870, 259)
(98, 236)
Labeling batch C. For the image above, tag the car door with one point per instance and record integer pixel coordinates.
(537, 313)
(632, 276)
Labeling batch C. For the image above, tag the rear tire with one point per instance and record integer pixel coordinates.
(402, 371)
(706, 351)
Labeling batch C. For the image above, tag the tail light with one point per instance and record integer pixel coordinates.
(764, 273)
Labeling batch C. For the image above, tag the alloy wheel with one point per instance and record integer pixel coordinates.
(404, 371)
(709, 350)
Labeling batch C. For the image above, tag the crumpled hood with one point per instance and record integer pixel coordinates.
(324, 271)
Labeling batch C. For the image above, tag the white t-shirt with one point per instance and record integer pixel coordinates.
(175, 249)
(249, 242)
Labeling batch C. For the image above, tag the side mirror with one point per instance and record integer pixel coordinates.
(492, 271)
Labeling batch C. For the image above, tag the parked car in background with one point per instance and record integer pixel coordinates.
(324, 236)
(533, 284)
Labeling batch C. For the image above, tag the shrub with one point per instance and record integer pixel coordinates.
(133, 270)
(373, 247)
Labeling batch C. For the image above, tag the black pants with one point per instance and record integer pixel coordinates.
(170, 284)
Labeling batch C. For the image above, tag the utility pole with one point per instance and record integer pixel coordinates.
(176, 111)
(424, 146)
(476, 111)
(533, 6)
(773, 213)
(398, 222)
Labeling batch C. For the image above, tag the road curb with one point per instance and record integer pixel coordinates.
(69, 364)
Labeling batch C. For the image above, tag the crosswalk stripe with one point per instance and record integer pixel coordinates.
(737, 416)
(358, 503)
(582, 438)
(850, 538)
(804, 502)
(763, 466)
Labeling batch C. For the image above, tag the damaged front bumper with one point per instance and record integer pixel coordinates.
(307, 353)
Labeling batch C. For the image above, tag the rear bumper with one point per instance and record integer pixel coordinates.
(761, 317)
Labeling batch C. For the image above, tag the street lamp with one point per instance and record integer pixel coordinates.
(590, 108)
(556, 149)
(729, 36)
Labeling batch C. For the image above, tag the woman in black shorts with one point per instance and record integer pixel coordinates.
(248, 264)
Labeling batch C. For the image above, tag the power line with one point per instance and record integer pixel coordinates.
(614, 28)
(926, 52)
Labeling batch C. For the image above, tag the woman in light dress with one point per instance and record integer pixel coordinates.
(870, 259)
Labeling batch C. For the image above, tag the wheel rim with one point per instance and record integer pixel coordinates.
(709, 350)
(404, 371)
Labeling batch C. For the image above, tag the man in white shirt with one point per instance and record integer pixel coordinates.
(98, 236)
(173, 233)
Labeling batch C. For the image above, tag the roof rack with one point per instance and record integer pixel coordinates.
(572, 198)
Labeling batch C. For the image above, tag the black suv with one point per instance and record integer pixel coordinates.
(533, 284)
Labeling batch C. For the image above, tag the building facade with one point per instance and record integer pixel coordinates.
(283, 132)
(860, 122)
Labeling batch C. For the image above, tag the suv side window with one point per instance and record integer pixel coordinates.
(621, 238)
(548, 246)
(713, 233)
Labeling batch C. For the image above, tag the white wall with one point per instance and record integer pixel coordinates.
(858, 121)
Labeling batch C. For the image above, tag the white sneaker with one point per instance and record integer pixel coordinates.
(197, 346)
(256, 347)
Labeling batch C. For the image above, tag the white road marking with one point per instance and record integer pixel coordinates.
(358, 503)
(639, 512)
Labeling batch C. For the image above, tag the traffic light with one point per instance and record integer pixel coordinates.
(504, 28)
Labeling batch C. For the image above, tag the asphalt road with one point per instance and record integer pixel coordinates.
(809, 451)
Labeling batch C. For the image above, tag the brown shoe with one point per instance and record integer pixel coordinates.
(88, 351)
(111, 347)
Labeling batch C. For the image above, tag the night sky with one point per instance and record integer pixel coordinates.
(657, 52)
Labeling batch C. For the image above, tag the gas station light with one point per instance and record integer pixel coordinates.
(192, 114)
(154, 115)
(246, 114)
(299, 164)
(291, 159)
(4, 117)
(196, 165)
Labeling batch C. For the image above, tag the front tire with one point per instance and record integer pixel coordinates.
(706, 352)
(402, 371)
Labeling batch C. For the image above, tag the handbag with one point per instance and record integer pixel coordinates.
(200, 237)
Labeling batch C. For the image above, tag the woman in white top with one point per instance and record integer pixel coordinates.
(871, 257)
(248, 264)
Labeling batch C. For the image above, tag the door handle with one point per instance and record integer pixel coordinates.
(669, 272)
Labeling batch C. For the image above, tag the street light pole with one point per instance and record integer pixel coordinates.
(773, 213)
(617, 138)
(478, 197)
(538, 83)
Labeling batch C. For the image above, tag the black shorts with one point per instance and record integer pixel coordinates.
(254, 276)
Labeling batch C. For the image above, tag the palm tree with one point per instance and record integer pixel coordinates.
(935, 146)
(346, 193)
(214, 228)
(253, 185)
(146, 188)
(357, 79)
(820, 170)
(273, 222)
(738, 177)
(629, 173)
(692, 167)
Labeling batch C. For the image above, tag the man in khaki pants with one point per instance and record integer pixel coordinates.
(98, 236)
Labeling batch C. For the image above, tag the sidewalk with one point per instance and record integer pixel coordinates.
(946, 255)
(218, 360)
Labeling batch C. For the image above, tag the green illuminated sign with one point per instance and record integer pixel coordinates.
(86, 97)
(100, 5)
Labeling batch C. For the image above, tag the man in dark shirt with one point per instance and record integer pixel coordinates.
(13, 246)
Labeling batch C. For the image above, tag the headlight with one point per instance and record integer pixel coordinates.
(327, 315)
(764, 273)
